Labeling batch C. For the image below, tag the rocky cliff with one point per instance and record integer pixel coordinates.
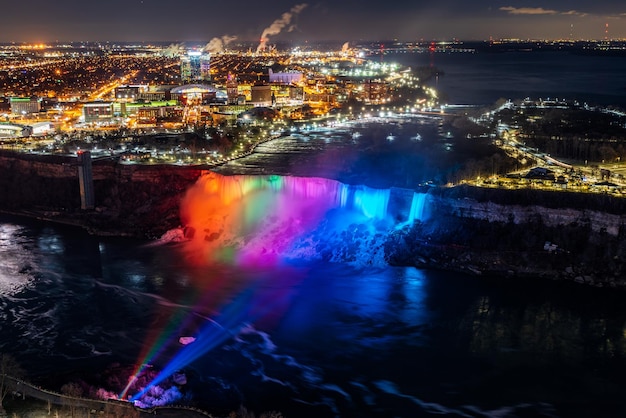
(131, 199)
(533, 240)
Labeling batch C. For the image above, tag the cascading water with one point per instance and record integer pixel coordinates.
(252, 220)
(418, 207)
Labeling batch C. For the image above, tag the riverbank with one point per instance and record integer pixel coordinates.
(565, 252)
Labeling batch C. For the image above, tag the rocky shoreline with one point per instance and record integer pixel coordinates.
(507, 250)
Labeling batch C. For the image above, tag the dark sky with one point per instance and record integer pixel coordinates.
(338, 20)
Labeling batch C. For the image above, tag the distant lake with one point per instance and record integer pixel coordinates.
(483, 78)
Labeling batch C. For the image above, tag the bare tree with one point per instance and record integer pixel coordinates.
(72, 391)
(112, 410)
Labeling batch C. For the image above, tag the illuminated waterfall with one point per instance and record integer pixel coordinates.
(418, 208)
(257, 219)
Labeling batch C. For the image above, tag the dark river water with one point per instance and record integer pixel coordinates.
(311, 338)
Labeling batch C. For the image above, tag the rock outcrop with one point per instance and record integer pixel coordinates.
(131, 199)
(559, 243)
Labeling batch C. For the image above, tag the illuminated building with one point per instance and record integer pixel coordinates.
(42, 128)
(98, 112)
(25, 105)
(375, 92)
(288, 77)
(195, 67)
(258, 114)
(129, 93)
(156, 114)
(261, 95)
(156, 93)
(245, 90)
(132, 109)
(198, 94)
(14, 131)
(287, 94)
(231, 89)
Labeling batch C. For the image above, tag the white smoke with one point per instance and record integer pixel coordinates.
(345, 47)
(279, 24)
(174, 50)
(216, 45)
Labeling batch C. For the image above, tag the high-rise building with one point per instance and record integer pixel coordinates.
(25, 105)
(195, 67)
(231, 89)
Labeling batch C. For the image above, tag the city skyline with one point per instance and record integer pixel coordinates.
(302, 22)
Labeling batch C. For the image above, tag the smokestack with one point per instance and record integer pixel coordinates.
(279, 24)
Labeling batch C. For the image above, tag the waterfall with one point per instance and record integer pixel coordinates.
(260, 219)
(418, 204)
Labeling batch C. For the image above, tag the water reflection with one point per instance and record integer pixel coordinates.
(564, 325)
(15, 268)
(357, 340)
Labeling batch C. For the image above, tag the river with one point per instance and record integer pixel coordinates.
(483, 78)
(308, 338)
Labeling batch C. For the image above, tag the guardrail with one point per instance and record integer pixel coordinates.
(19, 387)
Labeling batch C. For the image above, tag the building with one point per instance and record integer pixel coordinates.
(232, 91)
(261, 95)
(8, 130)
(132, 109)
(159, 114)
(129, 93)
(287, 77)
(258, 114)
(25, 105)
(287, 94)
(156, 93)
(98, 112)
(198, 94)
(42, 128)
(375, 92)
(195, 67)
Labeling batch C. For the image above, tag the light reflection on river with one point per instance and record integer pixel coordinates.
(332, 339)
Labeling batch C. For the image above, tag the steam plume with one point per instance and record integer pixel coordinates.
(174, 50)
(216, 45)
(279, 24)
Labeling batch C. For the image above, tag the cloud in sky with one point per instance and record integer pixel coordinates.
(540, 11)
(528, 10)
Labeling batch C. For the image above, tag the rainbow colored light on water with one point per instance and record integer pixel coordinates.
(252, 222)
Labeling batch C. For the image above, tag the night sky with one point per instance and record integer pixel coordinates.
(339, 20)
